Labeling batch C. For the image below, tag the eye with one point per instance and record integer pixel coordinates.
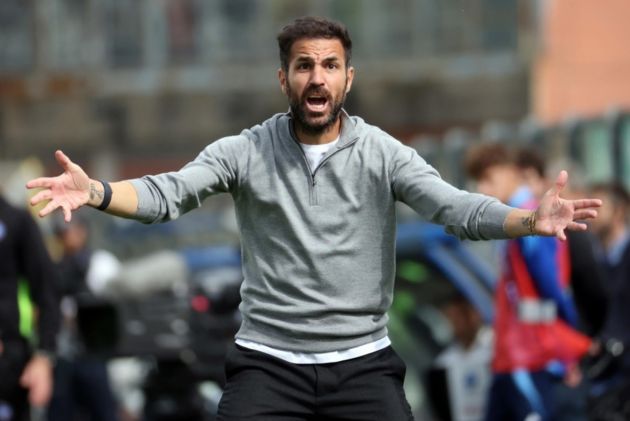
(303, 66)
(332, 66)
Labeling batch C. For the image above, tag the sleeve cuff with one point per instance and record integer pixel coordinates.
(495, 214)
(144, 213)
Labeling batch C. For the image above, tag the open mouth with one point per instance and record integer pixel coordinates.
(316, 103)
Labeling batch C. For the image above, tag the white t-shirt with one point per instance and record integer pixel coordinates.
(469, 375)
(315, 153)
(317, 357)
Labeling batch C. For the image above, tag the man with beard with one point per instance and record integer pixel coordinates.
(314, 192)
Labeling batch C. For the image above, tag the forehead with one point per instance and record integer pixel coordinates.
(497, 170)
(317, 49)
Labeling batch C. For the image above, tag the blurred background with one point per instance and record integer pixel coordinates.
(130, 87)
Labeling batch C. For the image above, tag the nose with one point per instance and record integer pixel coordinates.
(317, 76)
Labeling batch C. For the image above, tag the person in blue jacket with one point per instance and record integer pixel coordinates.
(535, 344)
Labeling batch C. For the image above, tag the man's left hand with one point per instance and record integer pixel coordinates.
(556, 214)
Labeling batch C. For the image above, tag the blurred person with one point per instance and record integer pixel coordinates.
(465, 363)
(26, 374)
(535, 343)
(82, 387)
(611, 386)
(532, 166)
(314, 192)
(587, 278)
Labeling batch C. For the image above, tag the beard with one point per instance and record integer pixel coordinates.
(315, 124)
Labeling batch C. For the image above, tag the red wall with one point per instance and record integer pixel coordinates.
(583, 65)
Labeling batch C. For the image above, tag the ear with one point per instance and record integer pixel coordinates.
(350, 76)
(282, 78)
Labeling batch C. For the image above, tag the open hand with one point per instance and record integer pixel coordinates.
(68, 191)
(556, 214)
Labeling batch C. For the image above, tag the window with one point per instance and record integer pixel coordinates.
(69, 40)
(624, 151)
(182, 18)
(123, 30)
(592, 147)
(16, 35)
(499, 25)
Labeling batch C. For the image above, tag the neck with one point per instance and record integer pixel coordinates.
(326, 136)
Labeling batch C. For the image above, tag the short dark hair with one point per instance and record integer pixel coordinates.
(481, 157)
(312, 27)
(530, 158)
(617, 192)
(78, 220)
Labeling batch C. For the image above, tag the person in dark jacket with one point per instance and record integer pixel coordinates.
(25, 374)
(82, 384)
(611, 388)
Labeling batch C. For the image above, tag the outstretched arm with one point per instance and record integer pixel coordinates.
(74, 189)
(553, 216)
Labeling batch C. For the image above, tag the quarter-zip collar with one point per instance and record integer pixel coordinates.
(348, 133)
(347, 136)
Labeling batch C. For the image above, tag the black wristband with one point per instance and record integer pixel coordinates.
(107, 195)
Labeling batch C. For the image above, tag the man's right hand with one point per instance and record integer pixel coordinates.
(68, 191)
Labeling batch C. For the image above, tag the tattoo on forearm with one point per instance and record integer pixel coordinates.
(95, 193)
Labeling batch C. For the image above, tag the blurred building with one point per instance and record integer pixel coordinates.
(135, 86)
(154, 81)
(580, 91)
(582, 65)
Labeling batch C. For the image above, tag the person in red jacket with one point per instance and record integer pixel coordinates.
(536, 344)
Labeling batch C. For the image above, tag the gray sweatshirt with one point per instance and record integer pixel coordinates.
(318, 244)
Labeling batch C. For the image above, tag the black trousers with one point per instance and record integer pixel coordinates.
(264, 388)
(82, 386)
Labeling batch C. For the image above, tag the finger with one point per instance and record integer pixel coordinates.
(39, 182)
(67, 213)
(561, 181)
(50, 207)
(37, 395)
(63, 160)
(577, 226)
(33, 397)
(561, 235)
(584, 214)
(25, 379)
(586, 203)
(41, 196)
